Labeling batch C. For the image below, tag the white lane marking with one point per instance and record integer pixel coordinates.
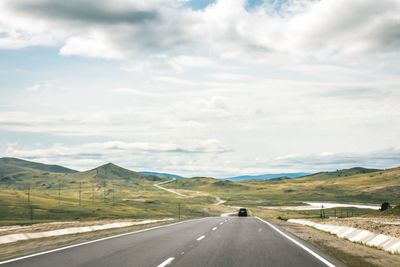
(94, 241)
(166, 262)
(298, 243)
(201, 237)
(221, 223)
(215, 228)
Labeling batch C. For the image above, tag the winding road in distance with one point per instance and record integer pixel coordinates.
(211, 241)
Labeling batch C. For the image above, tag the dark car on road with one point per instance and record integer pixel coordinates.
(242, 212)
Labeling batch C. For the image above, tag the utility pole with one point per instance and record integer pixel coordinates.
(29, 194)
(179, 211)
(92, 195)
(321, 211)
(113, 194)
(30, 213)
(80, 189)
(59, 194)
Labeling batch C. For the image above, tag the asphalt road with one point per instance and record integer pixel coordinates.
(214, 242)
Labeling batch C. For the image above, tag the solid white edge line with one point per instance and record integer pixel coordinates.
(298, 243)
(94, 241)
(166, 262)
(201, 237)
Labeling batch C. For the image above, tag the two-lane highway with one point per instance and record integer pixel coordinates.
(214, 242)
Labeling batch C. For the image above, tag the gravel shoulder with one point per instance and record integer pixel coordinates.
(42, 227)
(380, 225)
(26, 247)
(351, 254)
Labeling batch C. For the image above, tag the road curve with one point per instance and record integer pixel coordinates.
(214, 242)
(158, 185)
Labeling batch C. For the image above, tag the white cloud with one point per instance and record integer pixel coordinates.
(332, 160)
(61, 150)
(34, 87)
(206, 159)
(135, 154)
(90, 46)
(300, 78)
(132, 29)
(40, 86)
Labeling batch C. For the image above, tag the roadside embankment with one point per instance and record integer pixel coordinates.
(381, 241)
(10, 238)
(350, 253)
(29, 246)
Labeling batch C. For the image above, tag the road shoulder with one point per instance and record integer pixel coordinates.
(31, 246)
(349, 253)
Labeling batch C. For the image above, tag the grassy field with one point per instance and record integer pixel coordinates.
(32, 193)
(341, 186)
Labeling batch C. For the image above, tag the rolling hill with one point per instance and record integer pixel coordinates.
(341, 173)
(33, 192)
(351, 185)
(266, 176)
(59, 193)
(33, 165)
(163, 174)
(111, 171)
(20, 173)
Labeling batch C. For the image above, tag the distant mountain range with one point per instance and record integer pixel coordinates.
(13, 170)
(267, 176)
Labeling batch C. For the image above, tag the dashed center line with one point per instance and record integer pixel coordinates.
(201, 237)
(166, 262)
(215, 228)
(221, 223)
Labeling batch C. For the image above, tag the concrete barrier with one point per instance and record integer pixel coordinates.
(384, 242)
(72, 230)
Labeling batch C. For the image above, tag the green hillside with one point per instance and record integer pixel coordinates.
(109, 191)
(34, 165)
(341, 173)
(30, 190)
(352, 185)
(112, 172)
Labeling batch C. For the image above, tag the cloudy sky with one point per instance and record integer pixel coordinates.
(201, 87)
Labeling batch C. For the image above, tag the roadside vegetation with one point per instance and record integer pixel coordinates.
(32, 192)
(357, 185)
(31, 195)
